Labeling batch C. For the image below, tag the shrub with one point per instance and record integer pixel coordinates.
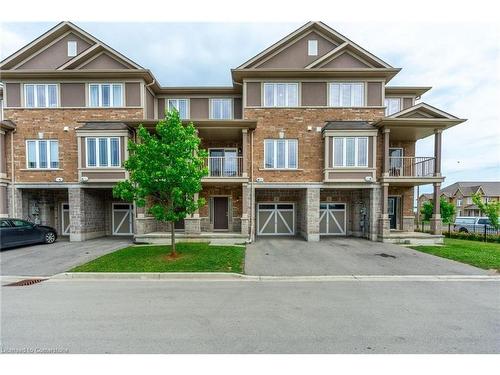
(471, 236)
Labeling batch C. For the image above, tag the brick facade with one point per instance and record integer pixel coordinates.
(51, 122)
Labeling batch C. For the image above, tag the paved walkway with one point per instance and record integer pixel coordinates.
(47, 260)
(345, 256)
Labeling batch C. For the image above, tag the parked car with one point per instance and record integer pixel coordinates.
(16, 232)
(473, 224)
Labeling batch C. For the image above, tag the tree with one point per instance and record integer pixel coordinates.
(490, 209)
(165, 168)
(447, 210)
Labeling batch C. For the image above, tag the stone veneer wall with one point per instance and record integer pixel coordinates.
(51, 122)
(294, 122)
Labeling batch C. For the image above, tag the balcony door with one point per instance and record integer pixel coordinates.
(223, 162)
(396, 161)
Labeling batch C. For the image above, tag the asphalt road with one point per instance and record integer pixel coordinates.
(252, 317)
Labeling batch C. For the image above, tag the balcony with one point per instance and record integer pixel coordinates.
(225, 167)
(411, 166)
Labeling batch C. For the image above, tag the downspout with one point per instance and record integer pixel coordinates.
(12, 177)
(252, 196)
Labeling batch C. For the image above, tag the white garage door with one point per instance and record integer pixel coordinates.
(276, 219)
(332, 219)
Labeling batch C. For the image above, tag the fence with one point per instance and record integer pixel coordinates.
(483, 232)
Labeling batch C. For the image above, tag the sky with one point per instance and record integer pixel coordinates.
(461, 61)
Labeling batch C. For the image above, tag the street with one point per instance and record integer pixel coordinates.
(137, 316)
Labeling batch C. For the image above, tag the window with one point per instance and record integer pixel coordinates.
(312, 47)
(347, 94)
(459, 203)
(350, 151)
(281, 94)
(21, 223)
(103, 152)
(106, 95)
(40, 95)
(181, 105)
(4, 224)
(469, 200)
(392, 105)
(71, 48)
(42, 154)
(280, 153)
(221, 109)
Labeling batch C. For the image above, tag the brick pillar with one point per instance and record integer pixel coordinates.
(76, 214)
(384, 224)
(192, 224)
(245, 208)
(436, 225)
(312, 214)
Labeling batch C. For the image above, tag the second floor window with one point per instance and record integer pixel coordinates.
(347, 94)
(106, 95)
(280, 153)
(42, 154)
(181, 105)
(281, 94)
(103, 152)
(459, 203)
(221, 109)
(40, 95)
(392, 105)
(350, 151)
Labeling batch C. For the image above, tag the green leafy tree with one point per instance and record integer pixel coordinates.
(447, 210)
(491, 210)
(165, 168)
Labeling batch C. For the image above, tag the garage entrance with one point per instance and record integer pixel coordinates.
(332, 219)
(276, 219)
(122, 219)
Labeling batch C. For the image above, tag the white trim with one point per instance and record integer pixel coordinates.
(274, 216)
(275, 94)
(188, 106)
(35, 96)
(287, 155)
(356, 153)
(210, 108)
(128, 215)
(352, 98)
(97, 155)
(312, 47)
(72, 48)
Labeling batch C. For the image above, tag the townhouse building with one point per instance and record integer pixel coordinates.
(310, 140)
(460, 195)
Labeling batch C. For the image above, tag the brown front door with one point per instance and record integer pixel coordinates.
(220, 213)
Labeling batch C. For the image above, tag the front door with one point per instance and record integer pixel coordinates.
(65, 219)
(221, 211)
(392, 210)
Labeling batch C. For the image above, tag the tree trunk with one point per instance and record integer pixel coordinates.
(173, 252)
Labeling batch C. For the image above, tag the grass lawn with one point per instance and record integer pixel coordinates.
(479, 254)
(194, 257)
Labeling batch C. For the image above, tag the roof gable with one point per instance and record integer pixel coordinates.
(422, 110)
(49, 51)
(291, 51)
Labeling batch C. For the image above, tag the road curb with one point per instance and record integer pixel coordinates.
(221, 276)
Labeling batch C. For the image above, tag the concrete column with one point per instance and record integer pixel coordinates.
(245, 209)
(3, 201)
(384, 225)
(312, 214)
(192, 223)
(386, 133)
(374, 212)
(436, 225)
(15, 202)
(244, 151)
(437, 151)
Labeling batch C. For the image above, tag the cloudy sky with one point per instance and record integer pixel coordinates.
(461, 61)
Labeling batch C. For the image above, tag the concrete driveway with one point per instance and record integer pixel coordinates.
(345, 256)
(47, 260)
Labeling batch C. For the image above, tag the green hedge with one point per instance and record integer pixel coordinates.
(473, 236)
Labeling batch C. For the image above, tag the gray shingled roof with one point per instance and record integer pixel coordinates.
(103, 126)
(490, 188)
(348, 125)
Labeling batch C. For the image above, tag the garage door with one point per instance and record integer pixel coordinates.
(276, 219)
(122, 219)
(332, 219)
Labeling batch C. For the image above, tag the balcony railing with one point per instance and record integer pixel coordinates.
(410, 166)
(225, 166)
